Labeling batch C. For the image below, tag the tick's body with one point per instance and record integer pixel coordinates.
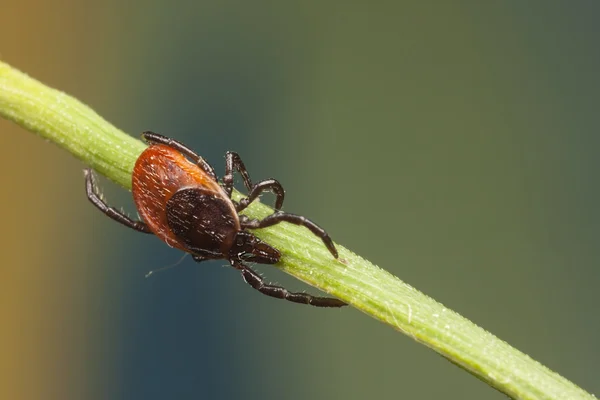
(182, 203)
(157, 186)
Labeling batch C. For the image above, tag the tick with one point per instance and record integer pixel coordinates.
(180, 200)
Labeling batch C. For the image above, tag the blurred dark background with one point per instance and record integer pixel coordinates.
(455, 145)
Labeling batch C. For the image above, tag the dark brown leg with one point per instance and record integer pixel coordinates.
(94, 197)
(254, 280)
(260, 187)
(234, 162)
(281, 216)
(152, 137)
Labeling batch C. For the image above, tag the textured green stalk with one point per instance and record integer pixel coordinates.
(78, 129)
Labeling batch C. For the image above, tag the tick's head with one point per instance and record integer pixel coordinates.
(247, 247)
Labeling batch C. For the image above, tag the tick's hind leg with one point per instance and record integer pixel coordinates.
(234, 162)
(152, 137)
(281, 216)
(254, 280)
(94, 197)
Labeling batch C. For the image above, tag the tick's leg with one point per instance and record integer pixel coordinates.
(94, 197)
(234, 162)
(267, 185)
(254, 280)
(152, 137)
(281, 216)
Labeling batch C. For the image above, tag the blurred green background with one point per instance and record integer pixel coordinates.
(454, 144)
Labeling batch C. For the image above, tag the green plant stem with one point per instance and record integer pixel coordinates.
(78, 129)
